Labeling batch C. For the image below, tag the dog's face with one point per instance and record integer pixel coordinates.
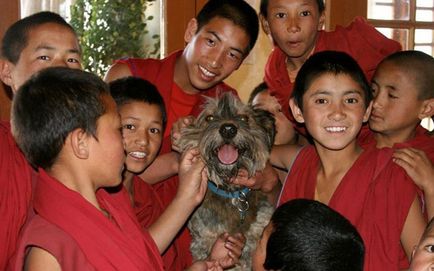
(230, 136)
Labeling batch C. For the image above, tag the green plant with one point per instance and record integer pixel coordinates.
(111, 29)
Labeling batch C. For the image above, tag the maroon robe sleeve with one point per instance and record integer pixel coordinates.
(15, 193)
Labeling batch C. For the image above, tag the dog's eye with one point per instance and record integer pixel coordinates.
(244, 118)
(209, 118)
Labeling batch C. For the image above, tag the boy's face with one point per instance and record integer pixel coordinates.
(284, 131)
(260, 252)
(293, 26)
(423, 255)
(396, 106)
(108, 149)
(142, 130)
(214, 52)
(48, 45)
(333, 110)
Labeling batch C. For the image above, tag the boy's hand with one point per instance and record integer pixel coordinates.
(418, 166)
(265, 180)
(205, 266)
(228, 249)
(192, 177)
(175, 133)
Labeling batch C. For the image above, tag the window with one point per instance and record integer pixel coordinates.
(411, 22)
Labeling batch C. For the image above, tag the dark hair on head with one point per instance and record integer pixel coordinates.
(16, 37)
(237, 11)
(258, 89)
(419, 66)
(50, 105)
(329, 62)
(308, 235)
(131, 89)
(428, 228)
(264, 5)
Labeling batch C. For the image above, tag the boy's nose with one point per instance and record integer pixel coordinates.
(142, 140)
(293, 25)
(215, 60)
(337, 113)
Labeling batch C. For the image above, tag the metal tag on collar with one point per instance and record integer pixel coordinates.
(242, 204)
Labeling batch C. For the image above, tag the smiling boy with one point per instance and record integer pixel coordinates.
(218, 40)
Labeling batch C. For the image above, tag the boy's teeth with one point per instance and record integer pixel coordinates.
(206, 72)
(336, 129)
(137, 154)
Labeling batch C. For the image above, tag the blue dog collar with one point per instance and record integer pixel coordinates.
(226, 194)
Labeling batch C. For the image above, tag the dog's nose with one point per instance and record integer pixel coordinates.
(228, 130)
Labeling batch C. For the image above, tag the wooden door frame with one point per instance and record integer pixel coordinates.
(9, 13)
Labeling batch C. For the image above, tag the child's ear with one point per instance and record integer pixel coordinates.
(427, 109)
(264, 24)
(5, 72)
(296, 111)
(79, 141)
(368, 112)
(191, 30)
(321, 21)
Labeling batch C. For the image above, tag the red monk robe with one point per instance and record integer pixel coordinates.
(148, 207)
(359, 39)
(114, 243)
(421, 141)
(15, 193)
(178, 104)
(375, 195)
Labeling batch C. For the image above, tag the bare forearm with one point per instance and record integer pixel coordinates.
(164, 230)
(163, 167)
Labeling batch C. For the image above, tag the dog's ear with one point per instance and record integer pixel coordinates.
(265, 120)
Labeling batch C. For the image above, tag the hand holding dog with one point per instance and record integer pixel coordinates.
(205, 266)
(228, 249)
(192, 177)
(175, 133)
(265, 180)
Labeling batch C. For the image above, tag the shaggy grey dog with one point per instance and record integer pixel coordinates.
(230, 136)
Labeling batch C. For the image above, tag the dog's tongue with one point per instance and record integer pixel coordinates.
(227, 154)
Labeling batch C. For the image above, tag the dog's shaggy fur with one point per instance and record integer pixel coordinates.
(230, 136)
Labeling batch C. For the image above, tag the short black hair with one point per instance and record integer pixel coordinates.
(329, 62)
(131, 88)
(237, 11)
(258, 89)
(264, 5)
(50, 105)
(420, 66)
(308, 235)
(16, 37)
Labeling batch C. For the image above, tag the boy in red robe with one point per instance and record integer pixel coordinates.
(295, 27)
(143, 120)
(218, 40)
(29, 45)
(67, 125)
(333, 99)
(307, 235)
(403, 96)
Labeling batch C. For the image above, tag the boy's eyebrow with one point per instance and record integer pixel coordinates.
(391, 87)
(48, 47)
(353, 91)
(328, 92)
(136, 118)
(219, 39)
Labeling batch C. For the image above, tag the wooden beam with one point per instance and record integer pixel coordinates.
(9, 13)
(342, 12)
